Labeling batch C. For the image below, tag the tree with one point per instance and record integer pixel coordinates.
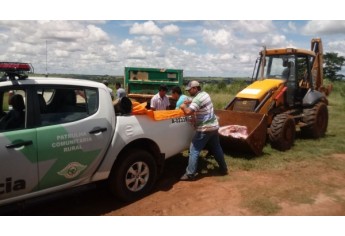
(333, 64)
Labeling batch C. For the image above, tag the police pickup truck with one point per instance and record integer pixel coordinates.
(56, 134)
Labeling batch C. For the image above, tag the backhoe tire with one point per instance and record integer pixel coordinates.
(282, 132)
(316, 119)
(133, 176)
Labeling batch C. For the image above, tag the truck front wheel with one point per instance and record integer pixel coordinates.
(133, 176)
(282, 132)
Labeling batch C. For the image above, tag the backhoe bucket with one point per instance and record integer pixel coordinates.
(256, 130)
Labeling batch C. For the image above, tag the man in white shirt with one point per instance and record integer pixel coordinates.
(120, 92)
(160, 101)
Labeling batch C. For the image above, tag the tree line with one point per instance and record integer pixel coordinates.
(332, 65)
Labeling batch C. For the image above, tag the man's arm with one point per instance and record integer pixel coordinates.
(186, 110)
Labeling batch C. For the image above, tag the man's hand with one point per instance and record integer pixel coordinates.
(186, 110)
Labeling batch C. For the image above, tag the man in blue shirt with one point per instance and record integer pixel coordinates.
(177, 95)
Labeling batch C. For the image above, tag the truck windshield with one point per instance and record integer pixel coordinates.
(278, 66)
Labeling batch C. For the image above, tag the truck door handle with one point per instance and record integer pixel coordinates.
(97, 130)
(20, 144)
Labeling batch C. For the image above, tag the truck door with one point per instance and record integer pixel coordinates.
(18, 149)
(73, 136)
(291, 82)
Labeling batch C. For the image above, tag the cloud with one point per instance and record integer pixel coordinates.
(24, 49)
(3, 38)
(200, 48)
(147, 28)
(292, 26)
(337, 46)
(63, 42)
(219, 37)
(254, 26)
(325, 27)
(157, 41)
(171, 29)
(127, 44)
(273, 41)
(190, 42)
(61, 53)
(96, 34)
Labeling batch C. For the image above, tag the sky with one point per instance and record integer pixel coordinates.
(226, 48)
(59, 39)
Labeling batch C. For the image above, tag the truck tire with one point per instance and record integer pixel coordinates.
(316, 119)
(133, 176)
(282, 132)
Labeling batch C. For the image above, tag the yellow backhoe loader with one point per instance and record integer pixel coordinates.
(286, 92)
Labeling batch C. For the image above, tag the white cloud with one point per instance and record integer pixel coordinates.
(67, 42)
(190, 42)
(157, 41)
(89, 57)
(337, 46)
(254, 26)
(127, 44)
(147, 28)
(292, 26)
(200, 48)
(278, 40)
(324, 27)
(143, 38)
(220, 37)
(24, 49)
(225, 56)
(61, 30)
(68, 46)
(3, 38)
(274, 40)
(171, 29)
(96, 34)
(61, 53)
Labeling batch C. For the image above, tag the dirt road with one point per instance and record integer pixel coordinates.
(301, 188)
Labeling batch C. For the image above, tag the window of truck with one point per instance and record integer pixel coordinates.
(13, 109)
(63, 105)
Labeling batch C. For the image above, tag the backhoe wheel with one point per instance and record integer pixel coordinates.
(282, 132)
(133, 176)
(316, 119)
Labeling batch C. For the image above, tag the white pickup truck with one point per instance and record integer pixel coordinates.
(56, 134)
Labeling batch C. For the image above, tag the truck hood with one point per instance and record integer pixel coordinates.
(259, 88)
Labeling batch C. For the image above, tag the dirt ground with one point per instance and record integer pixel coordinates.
(301, 188)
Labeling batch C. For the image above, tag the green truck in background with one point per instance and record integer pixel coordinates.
(142, 84)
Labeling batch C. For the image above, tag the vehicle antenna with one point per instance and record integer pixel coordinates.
(46, 59)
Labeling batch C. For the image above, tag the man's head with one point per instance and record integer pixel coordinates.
(176, 92)
(193, 87)
(163, 89)
(117, 85)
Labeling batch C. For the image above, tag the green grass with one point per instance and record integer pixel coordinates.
(303, 149)
(261, 205)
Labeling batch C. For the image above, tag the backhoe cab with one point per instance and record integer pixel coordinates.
(286, 91)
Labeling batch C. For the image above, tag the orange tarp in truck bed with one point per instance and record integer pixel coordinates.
(140, 109)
